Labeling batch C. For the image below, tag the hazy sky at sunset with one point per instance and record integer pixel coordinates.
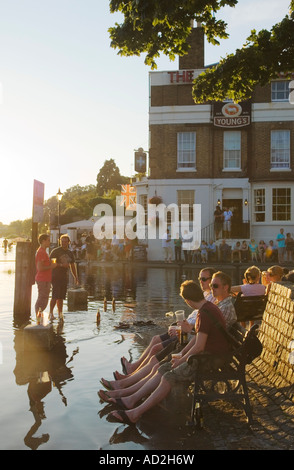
(69, 102)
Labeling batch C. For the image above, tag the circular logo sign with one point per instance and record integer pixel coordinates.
(231, 110)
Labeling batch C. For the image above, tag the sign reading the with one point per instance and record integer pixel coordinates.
(181, 76)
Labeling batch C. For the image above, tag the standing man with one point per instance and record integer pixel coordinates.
(64, 260)
(43, 276)
(178, 248)
(281, 246)
(228, 214)
(167, 248)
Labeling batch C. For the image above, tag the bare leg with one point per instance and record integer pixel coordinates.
(60, 307)
(132, 366)
(126, 392)
(159, 388)
(135, 377)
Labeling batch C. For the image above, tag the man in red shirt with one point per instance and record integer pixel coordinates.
(208, 338)
(43, 276)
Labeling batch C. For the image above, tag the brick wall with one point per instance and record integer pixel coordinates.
(276, 333)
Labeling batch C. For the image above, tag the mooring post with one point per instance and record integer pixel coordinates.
(23, 281)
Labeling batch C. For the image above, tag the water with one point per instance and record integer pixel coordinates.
(49, 400)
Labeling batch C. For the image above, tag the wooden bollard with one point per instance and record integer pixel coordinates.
(98, 317)
(77, 299)
(23, 280)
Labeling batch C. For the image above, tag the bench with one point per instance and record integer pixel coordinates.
(223, 378)
(250, 308)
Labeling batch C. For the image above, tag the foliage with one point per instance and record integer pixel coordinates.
(153, 26)
(265, 55)
(109, 178)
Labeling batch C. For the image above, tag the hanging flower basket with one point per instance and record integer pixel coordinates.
(155, 200)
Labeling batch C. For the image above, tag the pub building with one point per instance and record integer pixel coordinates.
(235, 156)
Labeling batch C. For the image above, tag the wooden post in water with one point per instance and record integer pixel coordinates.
(23, 281)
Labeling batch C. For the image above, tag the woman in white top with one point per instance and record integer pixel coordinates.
(251, 286)
(251, 283)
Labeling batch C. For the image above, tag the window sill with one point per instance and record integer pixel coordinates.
(280, 169)
(231, 169)
(185, 170)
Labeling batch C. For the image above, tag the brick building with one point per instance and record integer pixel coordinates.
(236, 156)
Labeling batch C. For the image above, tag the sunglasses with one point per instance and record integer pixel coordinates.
(203, 279)
(214, 286)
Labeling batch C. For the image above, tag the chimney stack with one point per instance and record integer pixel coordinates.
(195, 57)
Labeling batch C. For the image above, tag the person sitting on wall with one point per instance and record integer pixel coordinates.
(271, 252)
(261, 251)
(211, 249)
(244, 251)
(236, 250)
(224, 251)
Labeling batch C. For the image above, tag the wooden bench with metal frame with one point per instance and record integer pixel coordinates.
(249, 308)
(223, 378)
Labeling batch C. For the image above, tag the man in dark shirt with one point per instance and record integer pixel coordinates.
(208, 338)
(64, 260)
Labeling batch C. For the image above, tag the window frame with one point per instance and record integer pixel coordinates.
(227, 159)
(259, 195)
(186, 199)
(284, 91)
(276, 205)
(276, 152)
(186, 149)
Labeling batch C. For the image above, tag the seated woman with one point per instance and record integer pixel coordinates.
(273, 274)
(251, 283)
(251, 286)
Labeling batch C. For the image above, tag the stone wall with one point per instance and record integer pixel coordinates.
(276, 334)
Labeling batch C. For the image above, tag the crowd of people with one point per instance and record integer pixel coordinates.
(87, 247)
(147, 381)
(179, 250)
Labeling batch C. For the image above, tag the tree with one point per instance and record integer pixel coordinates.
(109, 178)
(264, 57)
(163, 26)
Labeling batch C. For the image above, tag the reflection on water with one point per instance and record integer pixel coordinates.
(39, 371)
(49, 398)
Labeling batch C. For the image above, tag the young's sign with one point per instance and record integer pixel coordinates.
(232, 114)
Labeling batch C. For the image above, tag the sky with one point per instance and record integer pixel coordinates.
(68, 102)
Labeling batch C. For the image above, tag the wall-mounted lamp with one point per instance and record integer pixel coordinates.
(245, 202)
(218, 202)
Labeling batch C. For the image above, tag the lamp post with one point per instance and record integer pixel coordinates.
(59, 197)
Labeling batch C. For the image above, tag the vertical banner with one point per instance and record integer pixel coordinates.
(38, 201)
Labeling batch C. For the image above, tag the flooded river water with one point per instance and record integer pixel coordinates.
(49, 400)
